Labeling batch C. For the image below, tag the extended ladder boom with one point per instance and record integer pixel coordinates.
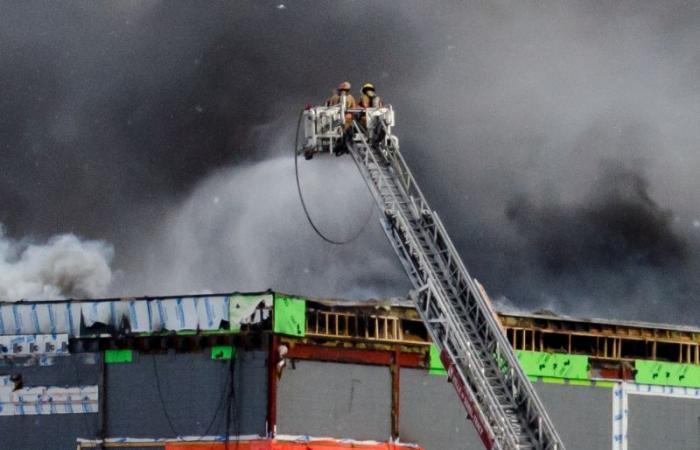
(499, 398)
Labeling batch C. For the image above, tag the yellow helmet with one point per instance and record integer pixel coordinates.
(367, 87)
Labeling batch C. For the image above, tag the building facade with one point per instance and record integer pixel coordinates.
(271, 370)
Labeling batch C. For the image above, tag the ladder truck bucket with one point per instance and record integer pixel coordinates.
(324, 131)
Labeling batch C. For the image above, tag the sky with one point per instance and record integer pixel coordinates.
(153, 141)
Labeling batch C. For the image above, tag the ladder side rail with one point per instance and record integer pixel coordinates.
(409, 181)
(475, 363)
(521, 385)
(521, 389)
(499, 417)
(441, 334)
(503, 349)
(518, 386)
(479, 357)
(456, 374)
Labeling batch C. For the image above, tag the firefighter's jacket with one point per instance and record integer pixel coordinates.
(335, 100)
(370, 102)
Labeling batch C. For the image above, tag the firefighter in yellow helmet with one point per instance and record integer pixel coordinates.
(369, 97)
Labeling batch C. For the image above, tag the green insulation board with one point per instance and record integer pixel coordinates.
(289, 316)
(220, 352)
(436, 367)
(118, 356)
(554, 365)
(668, 374)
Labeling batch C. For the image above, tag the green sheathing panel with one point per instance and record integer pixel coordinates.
(118, 356)
(436, 367)
(554, 365)
(289, 316)
(668, 374)
(220, 352)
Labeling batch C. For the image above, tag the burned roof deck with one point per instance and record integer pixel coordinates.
(377, 324)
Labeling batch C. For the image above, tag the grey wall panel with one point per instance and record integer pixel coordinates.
(335, 400)
(66, 370)
(57, 431)
(663, 423)
(432, 415)
(193, 388)
(581, 414)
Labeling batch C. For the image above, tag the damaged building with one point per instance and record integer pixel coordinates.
(275, 371)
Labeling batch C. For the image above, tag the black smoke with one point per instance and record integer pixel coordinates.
(115, 120)
(616, 225)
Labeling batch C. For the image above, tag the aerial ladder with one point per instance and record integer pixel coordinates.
(499, 399)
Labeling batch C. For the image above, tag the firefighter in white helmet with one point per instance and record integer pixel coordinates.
(343, 91)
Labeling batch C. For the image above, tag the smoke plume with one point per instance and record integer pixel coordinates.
(558, 142)
(617, 225)
(62, 267)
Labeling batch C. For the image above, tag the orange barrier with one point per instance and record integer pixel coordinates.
(267, 444)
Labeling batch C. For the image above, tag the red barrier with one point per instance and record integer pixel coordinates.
(266, 444)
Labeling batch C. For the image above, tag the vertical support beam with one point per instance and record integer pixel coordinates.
(272, 361)
(395, 392)
(102, 401)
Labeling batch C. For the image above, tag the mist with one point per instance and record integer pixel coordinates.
(558, 142)
(244, 228)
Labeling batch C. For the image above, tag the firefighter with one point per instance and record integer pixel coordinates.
(343, 89)
(368, 99)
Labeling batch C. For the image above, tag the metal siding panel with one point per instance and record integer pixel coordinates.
(582, 415)
(425, 398)
(65, 370)
(661, 422)
(192, 385)
(57, 431)
(335, 400)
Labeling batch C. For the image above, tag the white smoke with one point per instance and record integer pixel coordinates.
(62, 267)
(243, 229)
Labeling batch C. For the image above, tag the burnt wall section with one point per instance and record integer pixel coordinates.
(56, 431)
(166, 395)
(663, 422)
(337, 400)
(432, 415)
(582, 415)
